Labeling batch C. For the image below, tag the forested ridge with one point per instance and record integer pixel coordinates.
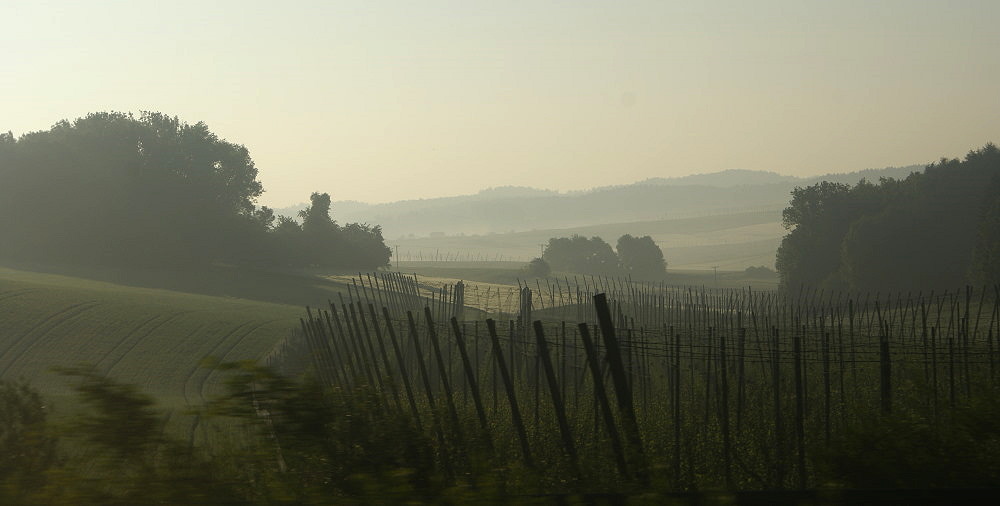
(936, 229)
(112, 188)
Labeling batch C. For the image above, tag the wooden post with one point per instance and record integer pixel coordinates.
(402, 369)
(515, 412)
(622, 392)
(885, 369)
(473, 384)
(385, 356)
(724, 385)
(445, 381)
(601, 398)
(779, 436)
(429, 392)
(557, 402)
(799, 412)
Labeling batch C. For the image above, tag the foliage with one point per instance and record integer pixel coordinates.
(910, 450)
(760, 271)
(538, 268)
(641, 257)
(579, 254)
(330, 443)
(125, 458)
(902, 235)
(114, 189)
(320, 241)
(985, 268)
(27, 449)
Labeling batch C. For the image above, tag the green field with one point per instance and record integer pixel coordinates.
(150, 337)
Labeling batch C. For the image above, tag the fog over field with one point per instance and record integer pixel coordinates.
(448, 252)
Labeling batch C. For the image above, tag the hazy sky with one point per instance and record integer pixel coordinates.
(379, 101)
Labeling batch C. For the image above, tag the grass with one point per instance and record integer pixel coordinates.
(154, 338)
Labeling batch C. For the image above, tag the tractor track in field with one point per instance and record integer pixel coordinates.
(13, 294)
(230, 350)
(138, 340)
(44, 327)
(134, 329)
(198, 367)
(204, 380)
(194, 371)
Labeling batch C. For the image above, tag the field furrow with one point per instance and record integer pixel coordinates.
(14, 293)
(137, 341)
(198, 369)
(10, 356)
(138, 327)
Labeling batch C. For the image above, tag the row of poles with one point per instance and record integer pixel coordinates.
(741, 386)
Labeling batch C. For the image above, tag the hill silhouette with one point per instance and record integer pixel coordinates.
(515, 209)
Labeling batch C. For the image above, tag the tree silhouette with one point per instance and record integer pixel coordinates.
(579, 254)
(640, 257)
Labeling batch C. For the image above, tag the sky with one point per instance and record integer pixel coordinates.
(383, 101)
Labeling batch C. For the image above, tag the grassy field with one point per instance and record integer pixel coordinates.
(150, 337)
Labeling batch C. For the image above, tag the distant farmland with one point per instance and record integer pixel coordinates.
(730, 241)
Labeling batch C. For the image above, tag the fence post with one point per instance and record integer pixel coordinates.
(515, 412)
(473, 384)
(557, 402)
(601, 398)
(885, 370)
(622, 392)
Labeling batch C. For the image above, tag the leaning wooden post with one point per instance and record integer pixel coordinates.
(429, 392)
(623, 393)
(393, 387)
(515, 412)
(470, 376)
(601, 398)
(449, 396)
(557, 402)
(401, 362)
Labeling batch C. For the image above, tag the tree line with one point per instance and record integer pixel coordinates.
(113, 188)
(638, 257)
(935, 229)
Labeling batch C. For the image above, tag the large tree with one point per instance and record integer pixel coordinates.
(932, 230)
(641, 257)
(818, 218)
(115, 187)
(153, 190)
(579, 254)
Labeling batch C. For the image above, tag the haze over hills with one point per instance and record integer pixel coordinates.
(516, 209)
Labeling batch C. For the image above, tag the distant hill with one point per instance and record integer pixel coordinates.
(725, 178)
(514, 209)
